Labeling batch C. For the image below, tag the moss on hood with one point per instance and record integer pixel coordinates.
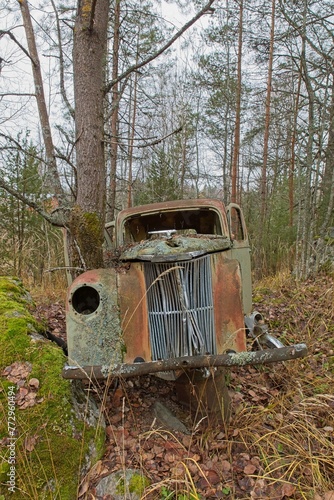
(43, 444)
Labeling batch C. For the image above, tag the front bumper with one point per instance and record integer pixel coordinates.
(127, 370)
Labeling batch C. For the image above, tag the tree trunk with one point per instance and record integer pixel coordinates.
(89, 58)
(53, 180)
(293, 153)
(267, 121)
(236, 148)
(133, 128)
(328, 177)
(114, 113)
(305, 236)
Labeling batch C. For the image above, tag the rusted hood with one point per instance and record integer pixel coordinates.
(176, 246)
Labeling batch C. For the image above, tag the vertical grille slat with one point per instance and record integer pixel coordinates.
(180, 308)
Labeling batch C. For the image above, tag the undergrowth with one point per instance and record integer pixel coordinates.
(279, 442)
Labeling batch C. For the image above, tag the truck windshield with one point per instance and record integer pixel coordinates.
(188, 222)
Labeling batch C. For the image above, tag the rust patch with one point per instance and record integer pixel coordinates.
(229, 317)
(133, 309)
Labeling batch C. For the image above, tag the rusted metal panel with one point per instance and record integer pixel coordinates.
(214, 205)
(176, 245)
(133, 309)
(240, 251)
(229, 318)
(92, 318)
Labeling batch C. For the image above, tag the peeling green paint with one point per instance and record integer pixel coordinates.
(95, 338)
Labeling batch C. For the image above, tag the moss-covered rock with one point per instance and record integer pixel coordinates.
(44, 443)
(122, 484)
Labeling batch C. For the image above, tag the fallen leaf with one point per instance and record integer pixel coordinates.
(117, 397)
(33, 383)
(249, 469)
(177, 471)
(225, 466)
(23, 391)
(212, 477)
(170, 457)
(329, 495)
(83, 488)
(288, 490)
(246, 483)
(17, 371)
(29, 442)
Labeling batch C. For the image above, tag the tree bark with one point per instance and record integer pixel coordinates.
(293, 153)
(52, 179)
(267, 120)
(236, 147)
(89, 59)
(114, 113)
(305, 233)
(328, 177)
(133, 129)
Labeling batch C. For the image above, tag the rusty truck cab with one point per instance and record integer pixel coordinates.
(177, 298)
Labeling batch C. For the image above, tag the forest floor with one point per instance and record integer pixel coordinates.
(279, 442)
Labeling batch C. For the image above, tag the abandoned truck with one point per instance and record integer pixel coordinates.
(179, 300)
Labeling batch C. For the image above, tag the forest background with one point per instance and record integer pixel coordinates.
(105, 105)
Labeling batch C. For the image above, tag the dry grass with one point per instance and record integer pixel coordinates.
(280, 440)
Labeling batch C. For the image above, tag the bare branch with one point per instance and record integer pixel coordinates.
(10, 34)
(17, 94)
(54, 220)
(67, 268)
(18, 146)
(177, 35)
(301, 31)
(161, 138)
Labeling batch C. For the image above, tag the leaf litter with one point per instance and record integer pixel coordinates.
(279, 443)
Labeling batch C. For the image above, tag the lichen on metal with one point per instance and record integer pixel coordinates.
(95, 338)
(175, 245)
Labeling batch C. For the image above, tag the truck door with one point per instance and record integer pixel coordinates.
(241, 252)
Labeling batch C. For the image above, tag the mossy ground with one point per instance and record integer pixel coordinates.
(51, 443)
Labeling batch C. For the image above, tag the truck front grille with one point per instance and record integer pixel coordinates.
(180, 308)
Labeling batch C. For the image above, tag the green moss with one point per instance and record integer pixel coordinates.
(4, 469)
(88, 230)
(136, 484)
(50, 468)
